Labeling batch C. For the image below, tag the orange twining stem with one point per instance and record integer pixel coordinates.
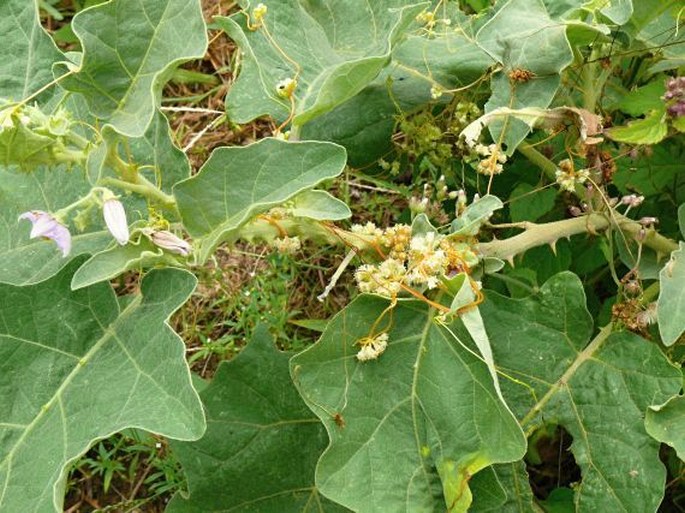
(423, 298)
(281, 231)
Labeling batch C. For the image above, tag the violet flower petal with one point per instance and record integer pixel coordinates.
(46, 226)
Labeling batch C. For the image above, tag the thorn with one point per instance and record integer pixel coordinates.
(510, 259)
(553, 247)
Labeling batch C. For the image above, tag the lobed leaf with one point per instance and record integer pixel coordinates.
(129, 46)
(333, 49)
(599, 391)
(236, 183)
(432, 419)
(262, 442)
(74, 368)
(27, 52)
(515, 36)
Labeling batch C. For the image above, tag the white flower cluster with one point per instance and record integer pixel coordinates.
(436, 92)
(492, 161)
(427, 262)
(418, 261)
(567, 179)
(372, 347)
(385, 278)
(369, 229)
(287, 245)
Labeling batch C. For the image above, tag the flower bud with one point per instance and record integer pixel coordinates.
(115, 219)
(648, 221)
(167, 240)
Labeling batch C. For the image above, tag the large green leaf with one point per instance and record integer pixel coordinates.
(450, 58)
(666, 423)
(671, 303)
(523, 36)
(418, 422)
(598, 392)
(22, 147)
(337, 47)
(649, 130)
(110, 263)
(513, 478)
(26, 261)
(128, 45)
(237, 183)
(658, 172)
(320, 205)
(73, 368)
(27, 52)
(262, 442)
(365, 123)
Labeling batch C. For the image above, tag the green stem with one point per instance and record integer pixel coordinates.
(650, 293)
(78, 141)
(61, 214)
(143, 187)
(562, 382)
(131, 180)
(67, 156)
(548, 233)
(547, 166)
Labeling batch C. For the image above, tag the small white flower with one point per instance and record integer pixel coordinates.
(372, 348)
(115, 219)
(436, 92)
(568, 180)
(287, 245)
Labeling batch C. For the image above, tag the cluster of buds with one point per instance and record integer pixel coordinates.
(567, 177)
(287, 245)
(632, 200)
(286, 87)
(430, 203)
(56, 124)
(436, 92)
(258, 14)
(427, 19)
(492, 159)
(675, 97)
(56, 140)
(391, 167)
(411, 261)
(372, 347)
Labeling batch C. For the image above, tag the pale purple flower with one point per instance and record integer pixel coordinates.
(46, 226)
(170, 242)
(115, 219)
